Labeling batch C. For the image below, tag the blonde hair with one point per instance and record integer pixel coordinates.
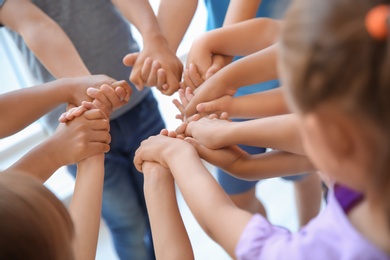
(333, 58)
(34, 224)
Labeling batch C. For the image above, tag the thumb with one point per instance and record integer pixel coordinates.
(129, 59)
(209, 107)
(202, 150)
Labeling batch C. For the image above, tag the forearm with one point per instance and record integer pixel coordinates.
(255, 68)
(141, 15)
(243, 38)
(240, 11)
(269, 165)
(86, 204)
(262, 104)
(278, 132)
(41, 162)
(165, 219)
(29, 104)
(174, 17)
(45, 38)
(208, 202)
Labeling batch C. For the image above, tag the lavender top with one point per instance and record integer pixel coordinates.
(328, 236)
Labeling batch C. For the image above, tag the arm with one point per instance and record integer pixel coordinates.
(174, 17)
(165, 220)
(44, 37)
(156, 47)
(239, 11)
(240, 73)
(278, 132)
(263, 104)
(254, 167)
(28, 104)
(210, 205)
(85, 207)
(78, 139)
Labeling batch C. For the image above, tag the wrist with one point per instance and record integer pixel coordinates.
(154, 38)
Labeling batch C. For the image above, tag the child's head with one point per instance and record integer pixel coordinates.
(34, 224)
(338, 80)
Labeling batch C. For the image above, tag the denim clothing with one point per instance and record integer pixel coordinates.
(124, 207)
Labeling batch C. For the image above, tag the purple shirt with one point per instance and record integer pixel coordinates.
(328, 236)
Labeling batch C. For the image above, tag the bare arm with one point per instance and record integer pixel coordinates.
(167, 225)
(258, 67)
(86, 204)
(278, 132)
(156, 47)
(44, 37)
(239, 11)
(82, 137)
(174, 17)
(210, 205)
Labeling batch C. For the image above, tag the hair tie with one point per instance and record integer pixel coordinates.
(376, 22)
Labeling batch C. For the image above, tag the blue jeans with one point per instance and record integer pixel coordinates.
(124, 207)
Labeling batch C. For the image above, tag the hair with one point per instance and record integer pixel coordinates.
(335, 60)
(34, 224)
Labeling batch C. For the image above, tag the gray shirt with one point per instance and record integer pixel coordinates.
(101, 36)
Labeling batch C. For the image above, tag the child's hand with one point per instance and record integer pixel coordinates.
(144, 62)
(159, 149)
(185, 96)
(82, 137)
(210, 90)
(192, 78)
(224, 158)
(73, 111)
(210, 131)
(109, 98)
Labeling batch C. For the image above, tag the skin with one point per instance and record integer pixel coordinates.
(160, 196)
(155, 47)
(29, 104)
(52, 45)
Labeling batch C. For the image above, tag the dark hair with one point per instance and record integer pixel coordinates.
(34, 224)
(334, 59)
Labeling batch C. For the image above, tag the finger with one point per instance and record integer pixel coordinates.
(122, 84)
(213, 116)
(94, 114)
(62, 118)
(97, 148)
(135, 78)
(202, 151)
(129, 59)
(153, 74)
(172, 134)
(138, 160)
(164, 132)
(178, 105)
(172, 82)
(145, 70)
(181, 128)
(70, 106)
(182, 97)
(161, 78)
(180, 117)
(100, 125)
(111, 96)
(224, 116)
(188, 94)
(187, 80)
(194, 75)
(88, 105)
(100, 136)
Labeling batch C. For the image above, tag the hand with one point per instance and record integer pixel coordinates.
(148, 70)
(82, 137)
(211, 89)
(73, 111)
(210, 131)
(76, 88)
(225, 158)
(185, 97)
(159, 149)
(192, 78)
(217, 106)
(108, 98)
(218, 62)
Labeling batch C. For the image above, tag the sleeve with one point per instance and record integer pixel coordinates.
(257, 235)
